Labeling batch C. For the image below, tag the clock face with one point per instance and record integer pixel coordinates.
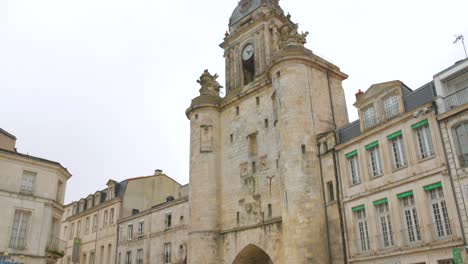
(248, 52)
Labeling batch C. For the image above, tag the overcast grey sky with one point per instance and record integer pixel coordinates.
(102, 86)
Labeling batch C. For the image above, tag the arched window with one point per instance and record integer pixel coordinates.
(462, 139)
(248, 63)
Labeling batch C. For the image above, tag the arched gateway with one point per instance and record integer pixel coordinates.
(252, 254)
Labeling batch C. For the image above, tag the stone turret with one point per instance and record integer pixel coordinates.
(204, 115)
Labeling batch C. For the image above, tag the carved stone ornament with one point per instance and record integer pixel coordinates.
(289, 35)
(209, 85)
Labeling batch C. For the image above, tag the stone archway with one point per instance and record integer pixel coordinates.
(252, 254)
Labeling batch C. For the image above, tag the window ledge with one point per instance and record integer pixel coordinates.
(421, 160)
(399, 169)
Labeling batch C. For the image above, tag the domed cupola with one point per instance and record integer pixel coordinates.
(247, 7)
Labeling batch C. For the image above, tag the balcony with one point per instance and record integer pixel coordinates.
(55, 247)
(454, 100)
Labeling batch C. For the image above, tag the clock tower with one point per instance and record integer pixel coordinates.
(256, 182)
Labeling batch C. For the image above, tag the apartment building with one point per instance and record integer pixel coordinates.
(156, 235)
(397, 201)
(32, 191)
(90, 224)
(452, 103)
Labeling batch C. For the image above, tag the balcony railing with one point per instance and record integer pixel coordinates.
(404, 239)
(455, 100)
(56, 246)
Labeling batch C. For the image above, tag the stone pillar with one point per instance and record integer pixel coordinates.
(304, 111)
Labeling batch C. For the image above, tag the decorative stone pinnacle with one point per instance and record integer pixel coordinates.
(209, 85)
(289, 35)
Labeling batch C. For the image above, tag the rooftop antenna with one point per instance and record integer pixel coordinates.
(462, 39)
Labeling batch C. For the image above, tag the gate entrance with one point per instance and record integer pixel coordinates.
(252, 255)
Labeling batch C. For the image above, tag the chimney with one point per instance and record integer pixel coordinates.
(7, 141)
(158, 172)
(359, 95)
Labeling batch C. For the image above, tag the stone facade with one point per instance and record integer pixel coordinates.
(32, 192)
(90, 227)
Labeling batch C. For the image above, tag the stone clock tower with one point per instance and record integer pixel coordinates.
(256, 191)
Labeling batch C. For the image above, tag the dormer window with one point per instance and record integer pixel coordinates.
(110, 193)
(97, 199)
(370, 117)
(392, 106)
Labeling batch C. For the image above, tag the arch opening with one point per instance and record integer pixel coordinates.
(252, 255)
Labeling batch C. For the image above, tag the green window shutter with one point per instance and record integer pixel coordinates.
(371, 145)
(381, 201)
(394, 135)
(351, 154)
(420, 124)
(405, 194)
(359, 208)
(433, 186)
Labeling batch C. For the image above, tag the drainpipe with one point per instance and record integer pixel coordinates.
(324, 202)
(338, 200)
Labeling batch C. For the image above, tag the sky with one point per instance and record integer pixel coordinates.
(102, 86)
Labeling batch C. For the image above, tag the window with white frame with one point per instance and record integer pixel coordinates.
(375, 164)
(410, 216)
(87, 226)
(440, 217)
(141, 227)
(462, 139)
(128, 257)
(392, 106)
(362, 229)
(130, 232)
(168, 220)
(385, 224)
(27, 182)
(370, 117)
(139, 259)
(19, 229)
(423, 133)
(105, 218)
(398, 150)
(354, 167)
(167, 253)
(95, 222)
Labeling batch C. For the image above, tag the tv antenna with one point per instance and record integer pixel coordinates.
(462, 39)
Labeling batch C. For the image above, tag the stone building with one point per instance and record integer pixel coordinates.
(156, 235)
(89, 225)
(397, 201)
(255, 187)
(32, 193)
(452, 103)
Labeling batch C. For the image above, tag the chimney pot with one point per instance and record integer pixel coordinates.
(359, 95)
(158, 172)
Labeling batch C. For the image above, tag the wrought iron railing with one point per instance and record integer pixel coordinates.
(456, 99)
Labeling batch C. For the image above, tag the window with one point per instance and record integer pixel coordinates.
(141, 226)
(128, 257)
(27, 182)
(270, 211)
(111, 221)
(445, 261)
(130, 232)
(19, 229)
(237, 110)
(97, 199)
(257, 100)
(254, 167)
(231, 138)
(253, 146)
(139, 259)
(331, 191)
(248, 63)
(385, 224)
(105, 218)
(58, 197)
(362, 230)
(78, 229)
(95, 222)
(440, 215)
(72, 231)
(354, 167)
(168, 220)
(65, 232)
(87, 226)
(370, 117)
(462, 138)
(392, 107)
(398, 150)
(119, 258)
(266, 123)
(410, 216)
(425, 146)
(375, 164)
(91, 257)
(83, 260)
(167, 253)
